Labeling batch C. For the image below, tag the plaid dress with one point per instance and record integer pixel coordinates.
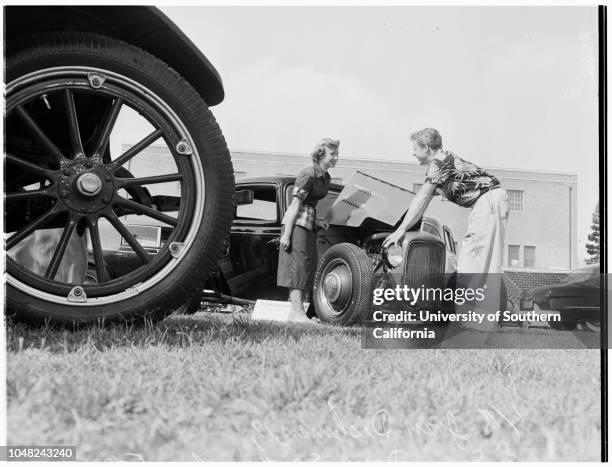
(296, 267)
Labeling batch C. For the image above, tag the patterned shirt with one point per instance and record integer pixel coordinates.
(458, 180)
(311, 185)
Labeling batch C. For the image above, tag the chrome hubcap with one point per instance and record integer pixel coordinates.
(336, 287)
(332, 287)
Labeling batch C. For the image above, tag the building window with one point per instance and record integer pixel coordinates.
(516, 200)
(529, 256)
(416, 187)
(513, 255)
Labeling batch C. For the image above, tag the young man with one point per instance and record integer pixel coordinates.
(468, 186)
(480, 256)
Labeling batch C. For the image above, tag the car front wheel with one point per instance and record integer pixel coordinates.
(67, 96)
(343, 285)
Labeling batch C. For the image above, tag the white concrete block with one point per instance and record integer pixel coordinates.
(272, 310)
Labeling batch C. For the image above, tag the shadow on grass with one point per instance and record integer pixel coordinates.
(174, 331)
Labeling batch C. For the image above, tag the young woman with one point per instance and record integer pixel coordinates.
(297, 259)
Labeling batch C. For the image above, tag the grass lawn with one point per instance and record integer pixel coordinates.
(219, 387)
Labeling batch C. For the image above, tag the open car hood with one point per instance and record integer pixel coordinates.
(365, 198)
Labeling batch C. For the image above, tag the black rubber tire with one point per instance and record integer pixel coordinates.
(362, 272)
(191, 306)
(592, 325)
(41, 51)
(563, 325)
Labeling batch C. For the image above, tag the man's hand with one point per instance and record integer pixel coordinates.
(414, 213)
(285, 241)
(393, 238)
(321, 224)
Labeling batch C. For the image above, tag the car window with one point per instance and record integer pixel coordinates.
(263, 207)
(431, 230)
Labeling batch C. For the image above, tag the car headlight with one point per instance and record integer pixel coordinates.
(394, 255)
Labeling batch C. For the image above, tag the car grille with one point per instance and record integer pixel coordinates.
(425, 267)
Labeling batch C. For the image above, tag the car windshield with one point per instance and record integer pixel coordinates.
(581, 275)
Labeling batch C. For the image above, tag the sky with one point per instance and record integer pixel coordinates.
(507, 87)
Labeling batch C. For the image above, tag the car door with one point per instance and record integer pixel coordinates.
(249, 267)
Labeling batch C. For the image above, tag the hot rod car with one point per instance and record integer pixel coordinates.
(352, 261)
(75, 77)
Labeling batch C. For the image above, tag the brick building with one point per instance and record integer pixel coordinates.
(541, 232)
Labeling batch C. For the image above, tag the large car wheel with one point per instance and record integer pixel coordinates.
(191, 306)
(65, 93)
(343, 285)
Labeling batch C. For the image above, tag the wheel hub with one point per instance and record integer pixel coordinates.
(331, 287)
(85, 187)
(337, 286)
(89, 184)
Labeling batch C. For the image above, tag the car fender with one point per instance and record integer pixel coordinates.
(142, 26)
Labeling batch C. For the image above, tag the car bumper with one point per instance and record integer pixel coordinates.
(568, 313)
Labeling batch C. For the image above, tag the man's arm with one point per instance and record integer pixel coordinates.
(415, 212)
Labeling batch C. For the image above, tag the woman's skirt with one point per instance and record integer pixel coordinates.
(296, 267)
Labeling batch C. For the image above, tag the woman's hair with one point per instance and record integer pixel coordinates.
(319, 150)
(427, 137)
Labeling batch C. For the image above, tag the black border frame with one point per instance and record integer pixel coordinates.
(603, 192)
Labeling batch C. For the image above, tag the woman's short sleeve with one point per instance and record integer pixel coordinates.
(436, 173)
(303, 183)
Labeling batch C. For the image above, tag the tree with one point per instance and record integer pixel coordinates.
(593, 246)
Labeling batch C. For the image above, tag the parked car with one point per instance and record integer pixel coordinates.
(123, 260)
(352, 260)
(74, 77)
(576, 299)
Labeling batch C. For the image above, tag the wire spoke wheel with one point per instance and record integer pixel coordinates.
(74, 202)
(84, 183)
